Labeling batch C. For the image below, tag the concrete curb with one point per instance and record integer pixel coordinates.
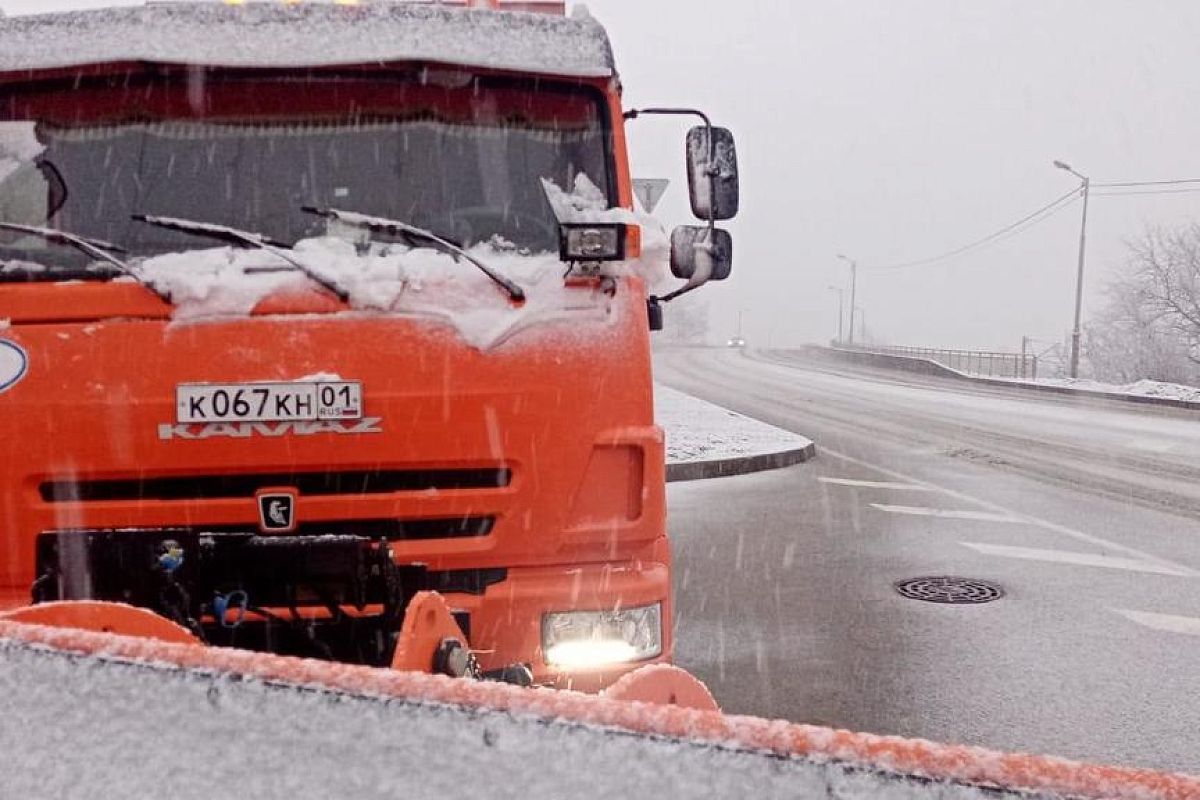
(926, 366)
(739, 465)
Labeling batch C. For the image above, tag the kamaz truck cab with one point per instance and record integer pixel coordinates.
(305, 309)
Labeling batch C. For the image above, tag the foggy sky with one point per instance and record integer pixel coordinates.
(893, 130)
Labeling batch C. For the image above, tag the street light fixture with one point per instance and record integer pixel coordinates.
(853, 288)
(841, 303)
(1075, 331)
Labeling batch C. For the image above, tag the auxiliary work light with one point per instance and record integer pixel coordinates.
(591, 242)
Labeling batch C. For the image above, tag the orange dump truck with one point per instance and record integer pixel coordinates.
(307, 311)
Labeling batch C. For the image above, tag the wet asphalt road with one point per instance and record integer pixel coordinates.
(1086, 513)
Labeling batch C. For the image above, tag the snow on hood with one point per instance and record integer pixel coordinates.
(228, 282)
(392, 279)
(586, 203)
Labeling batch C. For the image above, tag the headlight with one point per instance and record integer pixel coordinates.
(597, 638)
(599, 242)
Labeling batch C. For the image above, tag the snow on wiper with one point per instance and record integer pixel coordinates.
(239, 238)
(94, 248)
(398, 228)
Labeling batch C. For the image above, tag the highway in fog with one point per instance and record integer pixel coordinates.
(1086, 514)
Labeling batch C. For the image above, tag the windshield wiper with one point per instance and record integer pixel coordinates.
(398, 228)
(95, 248)
(254, 241)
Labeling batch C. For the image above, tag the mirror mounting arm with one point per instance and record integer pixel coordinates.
(666, 298)
(712, 170)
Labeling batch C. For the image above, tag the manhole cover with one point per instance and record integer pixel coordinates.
(948, 589)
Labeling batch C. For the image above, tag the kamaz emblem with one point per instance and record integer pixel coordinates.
(271, 430)
(276, 511)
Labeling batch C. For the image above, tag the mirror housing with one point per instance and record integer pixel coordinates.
(713, 187)
(698, 257)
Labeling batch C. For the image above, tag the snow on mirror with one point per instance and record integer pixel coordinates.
(712, 173)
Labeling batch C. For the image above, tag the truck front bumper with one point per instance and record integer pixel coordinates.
(506, 621)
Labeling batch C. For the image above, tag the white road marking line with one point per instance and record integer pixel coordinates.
(1050, 526)
(1151, 445)
(1162, 622)
(948, 513)
(874, 484)
(1078, 559)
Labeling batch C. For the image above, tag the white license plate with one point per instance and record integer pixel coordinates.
(298, 401)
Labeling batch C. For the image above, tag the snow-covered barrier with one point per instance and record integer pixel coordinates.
(1146, 392)
(93, 715)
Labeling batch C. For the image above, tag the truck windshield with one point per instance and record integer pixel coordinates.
(457, 154)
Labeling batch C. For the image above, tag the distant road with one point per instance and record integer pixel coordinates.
(1085, 512)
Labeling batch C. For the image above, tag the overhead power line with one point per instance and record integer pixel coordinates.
(1030, 219)
(1049, 210)
(1147, 191)
(1111, 184)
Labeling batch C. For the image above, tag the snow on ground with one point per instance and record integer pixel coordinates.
(1142, 388)
(700, 431)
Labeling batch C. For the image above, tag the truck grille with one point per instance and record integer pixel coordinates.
(394, 530)
(210, 487)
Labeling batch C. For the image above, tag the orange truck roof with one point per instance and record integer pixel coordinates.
(281, 35)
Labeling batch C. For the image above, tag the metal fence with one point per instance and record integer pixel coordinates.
(1023, 366)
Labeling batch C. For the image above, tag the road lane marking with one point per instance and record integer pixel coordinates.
(874, 484)
(1151, 445)
(1162, 622)
(947, 513)
(1077, 559)
(783, 420)
(1097, 541)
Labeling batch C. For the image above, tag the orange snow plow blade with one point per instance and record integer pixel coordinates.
(407, 729)
(664, 685)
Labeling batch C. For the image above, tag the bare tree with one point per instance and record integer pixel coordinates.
(1167, 274)
(1150, 327)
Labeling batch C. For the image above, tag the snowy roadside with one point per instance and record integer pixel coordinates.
(1143, 391)
(1142, 388)
(706, 440)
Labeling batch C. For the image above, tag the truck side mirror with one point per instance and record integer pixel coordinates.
(713, 184)
(700, 254)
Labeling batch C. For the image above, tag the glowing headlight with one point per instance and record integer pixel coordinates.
(597, 638)
(600, 242)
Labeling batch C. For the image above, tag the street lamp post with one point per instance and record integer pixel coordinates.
(1075, 332)
(841, 303)
(853, 287)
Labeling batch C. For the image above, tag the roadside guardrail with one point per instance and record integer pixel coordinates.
(1023, 366)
